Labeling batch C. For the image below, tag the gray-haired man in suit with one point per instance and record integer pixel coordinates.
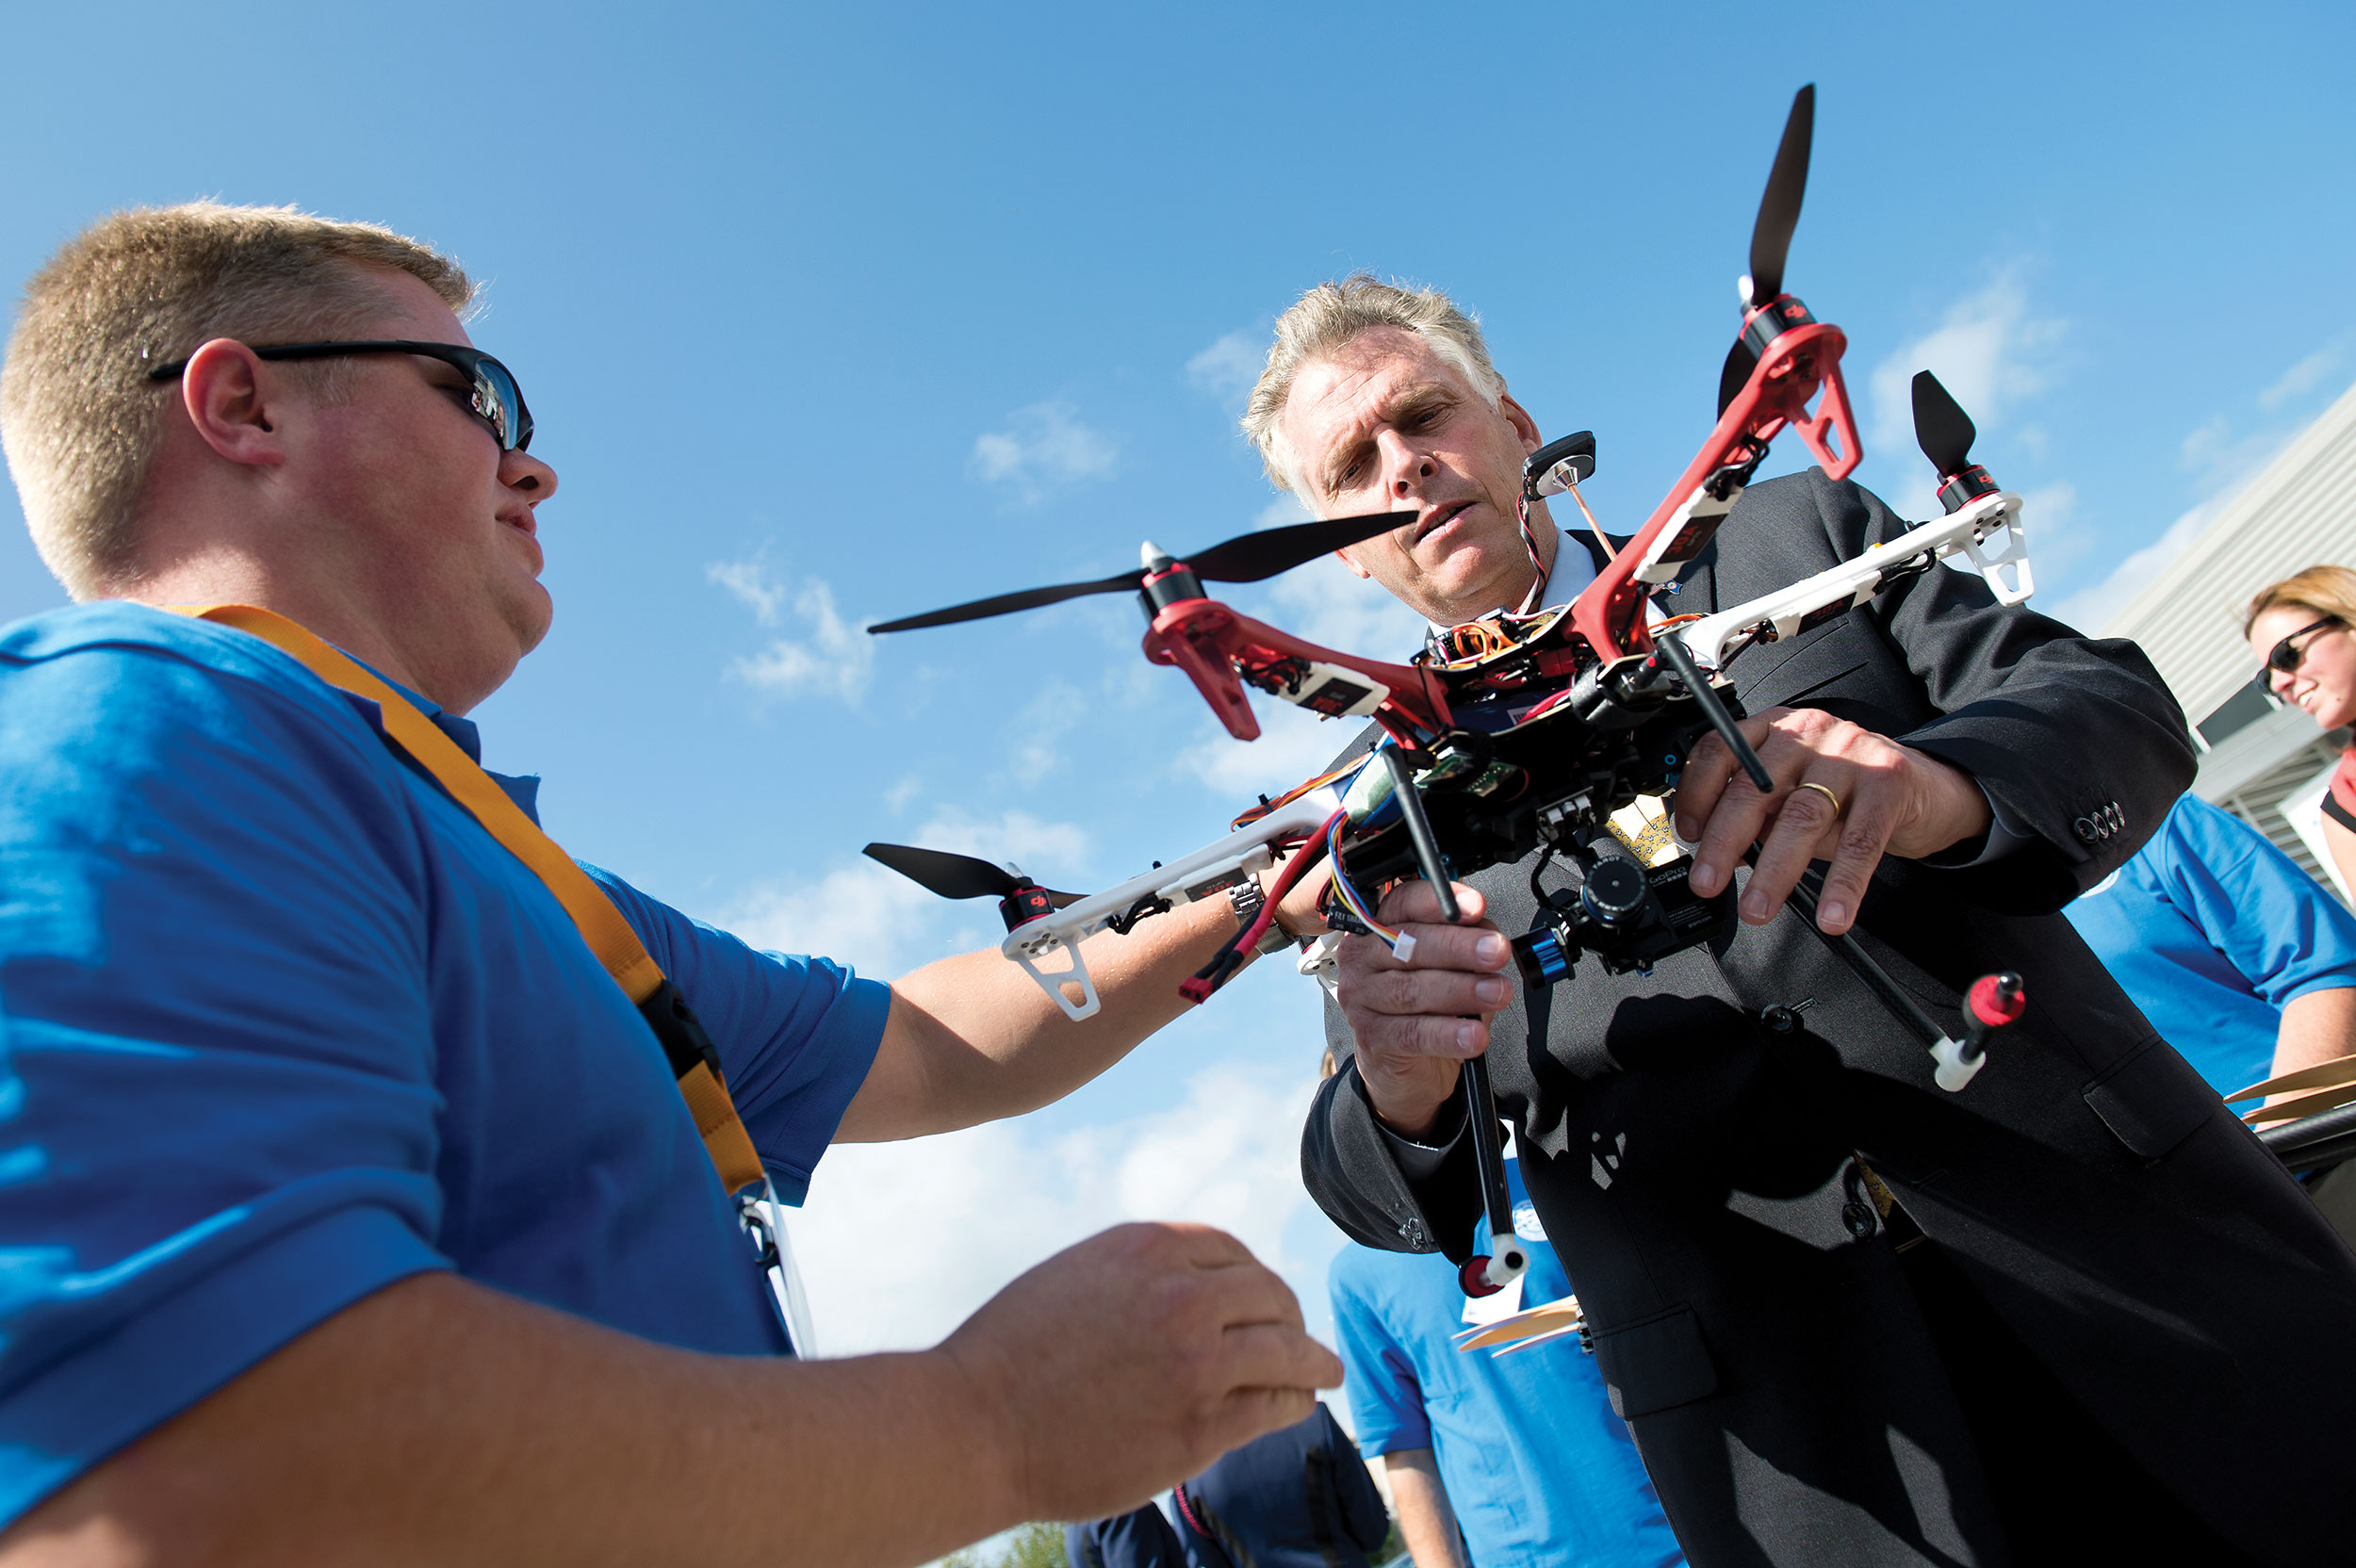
(2074, 1311)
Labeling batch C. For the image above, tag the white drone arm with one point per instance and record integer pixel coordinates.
(1973, 532)
(1207, 870)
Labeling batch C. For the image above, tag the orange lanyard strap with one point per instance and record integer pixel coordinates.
(694, 1061)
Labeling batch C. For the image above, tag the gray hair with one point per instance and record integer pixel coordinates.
(1327, 319)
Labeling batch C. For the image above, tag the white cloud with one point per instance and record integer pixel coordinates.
(883, 925)
(899, 1243)
(1989, 353)
(830, 658)
(2300, 378)
(1044, 448)
(1228, 368)
(749, 583)
(1294, 744)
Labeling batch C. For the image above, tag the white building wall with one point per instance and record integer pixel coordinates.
(2300, 510)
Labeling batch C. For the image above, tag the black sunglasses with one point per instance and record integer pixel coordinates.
(2285, 658)
(494, 395)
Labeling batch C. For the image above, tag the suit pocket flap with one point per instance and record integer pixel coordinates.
(1656, 1364)
(2152, 1101)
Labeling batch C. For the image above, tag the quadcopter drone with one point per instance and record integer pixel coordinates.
(1523, 731)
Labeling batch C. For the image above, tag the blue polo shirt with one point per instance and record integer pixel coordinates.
(280, 1024)
(2211, 929)
(1540, 1471)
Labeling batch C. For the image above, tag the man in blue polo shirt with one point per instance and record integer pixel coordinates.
(2243, 963)
(1519, 1451)
(348, 1205)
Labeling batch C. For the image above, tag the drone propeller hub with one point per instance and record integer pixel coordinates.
(1024, 904)
(1960, 489)
(1171, 582)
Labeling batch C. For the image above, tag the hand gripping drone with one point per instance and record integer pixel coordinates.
(1524, 732)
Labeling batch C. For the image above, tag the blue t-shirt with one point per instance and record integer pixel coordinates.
(280, 1023)
(2211, 929)
(1540, 1471)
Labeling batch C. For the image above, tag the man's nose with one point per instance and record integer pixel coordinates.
(1406, 469)
(528, 476)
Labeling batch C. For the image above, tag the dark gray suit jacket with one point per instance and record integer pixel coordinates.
(2125, 1310)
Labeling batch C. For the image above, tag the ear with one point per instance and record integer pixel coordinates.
(229, 396)
(1518, 416)
(1355, 570)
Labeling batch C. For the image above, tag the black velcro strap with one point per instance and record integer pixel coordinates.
(675, 1024)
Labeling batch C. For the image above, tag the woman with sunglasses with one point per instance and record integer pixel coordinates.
(2300, 627)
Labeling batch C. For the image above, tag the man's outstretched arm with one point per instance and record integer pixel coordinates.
(972, 1038)
(440, 1421)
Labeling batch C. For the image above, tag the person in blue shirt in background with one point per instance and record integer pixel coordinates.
(1520, 1452)
(2243, 962)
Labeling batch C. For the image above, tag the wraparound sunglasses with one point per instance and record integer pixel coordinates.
(2283, 658)
(495, 396)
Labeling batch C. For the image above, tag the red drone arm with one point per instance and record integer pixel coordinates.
(1797, 362)
(1205, 639)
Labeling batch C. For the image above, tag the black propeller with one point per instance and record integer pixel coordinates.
(1247, 557)
(1020, 898)
(1779, 209)
(958, 876)
(1941, 428)
(1944, 433)
(1771, 236)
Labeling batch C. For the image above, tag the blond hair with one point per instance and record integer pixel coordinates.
(141, 288)
(1324, 321)
(2325, 590)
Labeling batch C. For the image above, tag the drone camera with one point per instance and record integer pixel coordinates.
(1614, 889)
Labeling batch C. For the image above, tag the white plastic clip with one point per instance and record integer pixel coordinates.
(1955, 1069)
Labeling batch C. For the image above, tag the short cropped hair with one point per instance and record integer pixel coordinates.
(1322, 323)
(78, 415)
(2325, 590)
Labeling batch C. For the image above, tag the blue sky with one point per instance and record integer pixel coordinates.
(829, 314)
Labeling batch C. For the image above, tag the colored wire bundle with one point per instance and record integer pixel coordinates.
(1350, 896)
(1230, 956)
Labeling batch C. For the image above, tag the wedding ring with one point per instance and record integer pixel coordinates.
(1810, 784)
